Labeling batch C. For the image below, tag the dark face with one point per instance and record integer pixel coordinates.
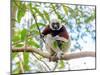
(55, 25)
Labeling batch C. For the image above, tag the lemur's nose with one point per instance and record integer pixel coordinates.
(55, 25)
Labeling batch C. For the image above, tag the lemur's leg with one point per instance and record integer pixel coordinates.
(59, 51)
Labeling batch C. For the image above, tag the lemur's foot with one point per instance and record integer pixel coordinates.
(59, 55)
(53, 58)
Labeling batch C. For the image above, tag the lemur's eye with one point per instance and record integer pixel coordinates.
(57, 23)
(53, 23)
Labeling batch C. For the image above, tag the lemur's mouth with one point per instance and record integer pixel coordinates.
(55, 26)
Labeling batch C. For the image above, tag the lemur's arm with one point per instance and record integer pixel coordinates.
(64, 33)
(46, 30)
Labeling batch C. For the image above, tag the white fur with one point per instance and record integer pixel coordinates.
(59, 54)
(53, 21)
(49, 45)
(60, 38)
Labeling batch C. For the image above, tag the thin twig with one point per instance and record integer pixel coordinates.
(17, 42)
(68, 65)
(21, 67)
(42, 61)
(38, 27)
(56, 64)
(21, 64)
(18, 5)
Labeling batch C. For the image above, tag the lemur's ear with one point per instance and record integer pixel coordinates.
(63, 23)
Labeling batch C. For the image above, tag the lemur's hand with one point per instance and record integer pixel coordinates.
(60, 38)
(57, 37)
(41, 35)
(59, 54)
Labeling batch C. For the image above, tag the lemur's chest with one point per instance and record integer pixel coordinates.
(55, 32)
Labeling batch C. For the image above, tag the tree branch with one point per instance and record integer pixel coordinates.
(30, 49)
(64, 57)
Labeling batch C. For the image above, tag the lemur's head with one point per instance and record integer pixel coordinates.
(55, 24)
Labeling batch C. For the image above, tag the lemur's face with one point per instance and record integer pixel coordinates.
(55, 25)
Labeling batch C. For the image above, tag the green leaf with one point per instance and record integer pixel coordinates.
(30, 5)
(61, 64)
(89, 19)
(53, 6)
(31, 9)
(19, 45)
(41, 24)
(34, 26)
(26, 61)
(17, 70)
(20, 14)
(33, 43)
(78, 21)
(57, 13)
(71, 11)
(21, 10)
(65, 9)
(23, 34)
(13, 55)
(34, 29)
(59, 16)
(87, 30)
(36, 32)
(16, 38)
(47, 16)
(39, 13)
(55, 45)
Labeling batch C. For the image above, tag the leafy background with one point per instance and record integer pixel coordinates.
(80, 24)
